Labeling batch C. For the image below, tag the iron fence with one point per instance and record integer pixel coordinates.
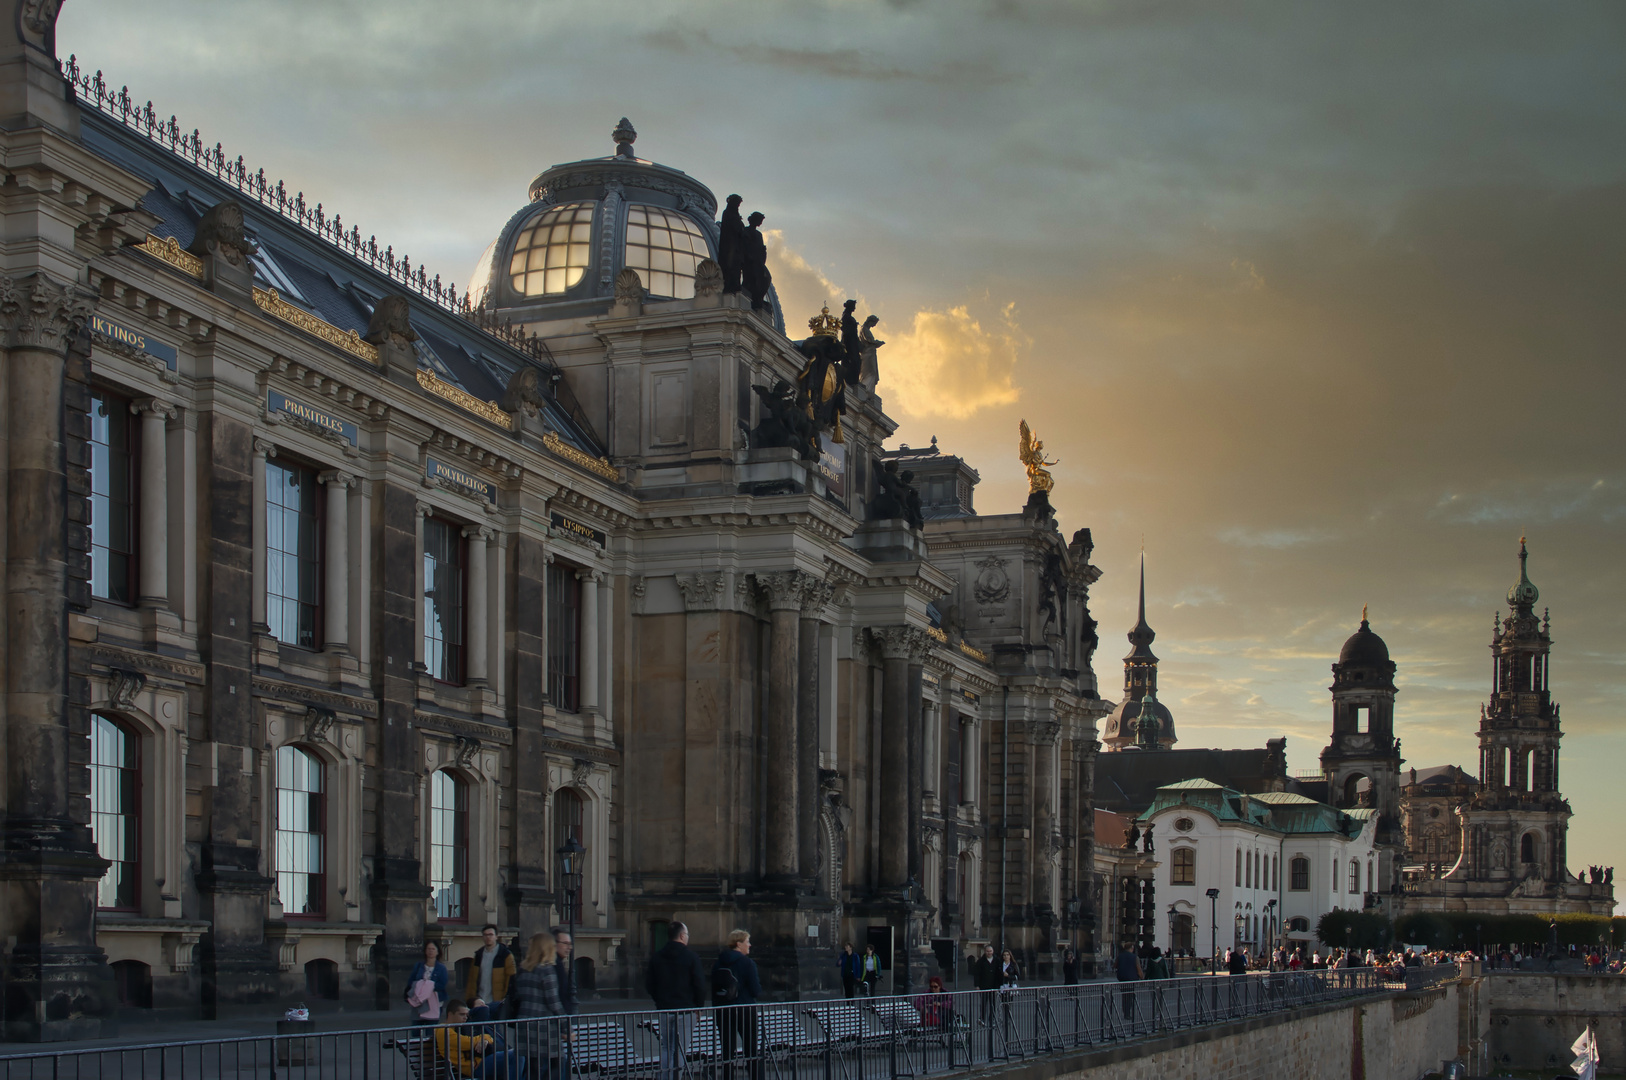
(861, 1039)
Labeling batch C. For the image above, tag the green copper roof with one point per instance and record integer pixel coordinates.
(1274, 811)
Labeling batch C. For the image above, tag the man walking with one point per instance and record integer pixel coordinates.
(676, 980)
(985, 976)
(1128, 972)
(851, 968)
(735, 987)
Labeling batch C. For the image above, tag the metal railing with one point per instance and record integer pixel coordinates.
(858, 1039)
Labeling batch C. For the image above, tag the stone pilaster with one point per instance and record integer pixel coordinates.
(398, 892)
(154, 516)
(57, 982)
(814, 602)
(527, 896)
(336, 562)
(478, 537)
(786, 591)
(903, 649)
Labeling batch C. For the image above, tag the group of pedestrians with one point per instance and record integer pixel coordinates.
(498, 987)
(677, 982)
(860, 975)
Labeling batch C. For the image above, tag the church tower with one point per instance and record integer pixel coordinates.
(1515, 827)
(1123, 728)
(1362, 762)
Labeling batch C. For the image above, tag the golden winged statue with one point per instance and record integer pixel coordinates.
(1031, 453)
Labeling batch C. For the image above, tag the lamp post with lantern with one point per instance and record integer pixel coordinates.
(570, 874)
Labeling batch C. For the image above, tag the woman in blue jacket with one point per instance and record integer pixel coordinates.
(432, 969)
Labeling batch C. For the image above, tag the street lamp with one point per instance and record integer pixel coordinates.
(1213, 928)
(570, 871)
(1172, 914)
(1270, 922)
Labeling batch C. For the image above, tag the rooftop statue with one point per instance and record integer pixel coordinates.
(1031, 453)
(731, 245)
(785, 421)
(821, 378)
(755, 264)
(895, 496)
(851, 346)
(869, 373)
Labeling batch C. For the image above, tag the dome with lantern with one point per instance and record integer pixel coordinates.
(558, 257)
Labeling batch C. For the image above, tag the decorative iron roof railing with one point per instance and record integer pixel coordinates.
(142, 119)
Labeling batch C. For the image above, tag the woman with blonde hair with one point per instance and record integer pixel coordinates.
(533, 994)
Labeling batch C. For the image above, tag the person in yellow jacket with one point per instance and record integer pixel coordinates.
(490, 972)
(473, 1056)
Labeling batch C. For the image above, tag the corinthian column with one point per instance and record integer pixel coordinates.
(786, 590)
(154, 557)
(336, 562)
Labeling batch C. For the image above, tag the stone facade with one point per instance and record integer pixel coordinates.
(337, 607)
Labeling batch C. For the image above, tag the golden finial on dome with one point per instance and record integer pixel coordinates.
(825, 324)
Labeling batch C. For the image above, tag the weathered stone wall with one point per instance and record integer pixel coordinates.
(1536, 1016)
(1393, 1037)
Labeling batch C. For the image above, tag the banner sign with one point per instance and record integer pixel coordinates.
(276, 401)
(833, 466)
(439, 470)
(134, 339)
(586, 532)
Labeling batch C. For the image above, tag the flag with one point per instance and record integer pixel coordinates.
(1585, 1050)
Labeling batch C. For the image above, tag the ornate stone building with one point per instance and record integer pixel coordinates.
(337, 606)
(1126, 725)
(1512, 825)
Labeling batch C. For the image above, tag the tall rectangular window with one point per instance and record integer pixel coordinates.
(293, 563)
(1184, 869)
(301, 832)
(112, 499)
(449, 846)
(1299, 874)
(445, 583)
(564, 637)
(115, 811)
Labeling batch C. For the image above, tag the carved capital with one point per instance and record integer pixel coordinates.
(318, 721)
(701, 592)
(40, 313)
(585, 575)
(817, 598)
(425, 510)
(1046, 733)
(481, 533)
(265, 448)
(153, 406)
(786, 590)
(901, 642)
(336, 476)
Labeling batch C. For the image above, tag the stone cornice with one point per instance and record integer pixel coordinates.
(116, 656)
(278, 690)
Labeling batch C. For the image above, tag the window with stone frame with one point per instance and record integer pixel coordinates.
(1298, 874)
(1183, 867)
(113, 472)
(1354, 875)
(564, 637)
(449, 846)
(445, 596)
(301, 835)
(293, 555)
(115, 811)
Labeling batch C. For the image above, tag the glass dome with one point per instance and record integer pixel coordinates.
(552, 254)
(664, 247)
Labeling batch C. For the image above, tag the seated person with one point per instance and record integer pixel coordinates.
(473, 1056)
(934, 1006)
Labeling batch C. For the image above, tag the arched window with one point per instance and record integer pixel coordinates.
(1183, 868)
(449, 846)
(552, 252)
(567, 825)
(1298, 925)
(664, 246)
(115, 811)
(1354, 875)
(1527, 848)
(301, 834)
(132, 980)
(1247, 870)
(1299, 874)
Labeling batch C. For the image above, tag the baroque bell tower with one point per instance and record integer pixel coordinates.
(1515, 827)
(1362, 762)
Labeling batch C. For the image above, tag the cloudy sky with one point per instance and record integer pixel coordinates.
(1325, 300)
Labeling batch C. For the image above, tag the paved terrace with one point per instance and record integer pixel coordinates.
(864, 1039)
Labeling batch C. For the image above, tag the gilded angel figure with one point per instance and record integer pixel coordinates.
(1031, 453)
